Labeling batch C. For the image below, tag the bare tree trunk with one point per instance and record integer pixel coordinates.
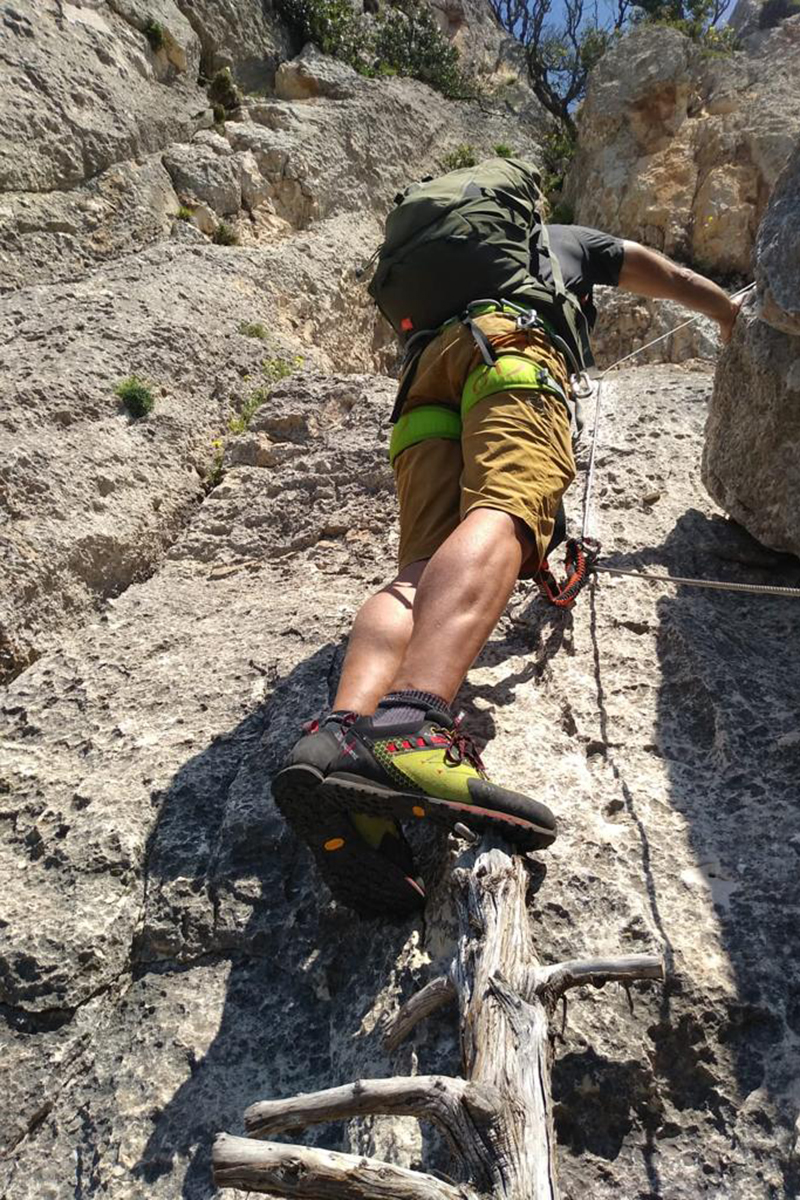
(498, 1119)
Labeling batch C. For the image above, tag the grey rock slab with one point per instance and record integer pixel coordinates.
(751, 458)
(51, 236)
(652, 719)
(82, 89)
(245, 35)
(89, 497)
(778, 252)
(313, 73)
(199, 172)
(325, 156)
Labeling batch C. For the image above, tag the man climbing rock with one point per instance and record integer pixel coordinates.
(482, 455)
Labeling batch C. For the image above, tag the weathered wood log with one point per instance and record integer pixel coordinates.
(499, 1118)
(424, 1003)
(309, 1174)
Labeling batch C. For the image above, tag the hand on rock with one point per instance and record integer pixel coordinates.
(727, 322)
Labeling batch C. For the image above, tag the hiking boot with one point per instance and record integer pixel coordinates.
(428, 768)
(365, 861)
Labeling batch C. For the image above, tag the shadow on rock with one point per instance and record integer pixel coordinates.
(233, 899)
(727, 731)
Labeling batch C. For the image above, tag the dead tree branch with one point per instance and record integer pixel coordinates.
(298, 1171)
(456, 1106)
(423, 1004)
(499, 1118)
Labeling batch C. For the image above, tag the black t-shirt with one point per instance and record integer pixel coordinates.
(587, 258)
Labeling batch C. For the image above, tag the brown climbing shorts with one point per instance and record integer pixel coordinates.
(515, 452)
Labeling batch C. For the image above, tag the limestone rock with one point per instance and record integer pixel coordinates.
(169, 955)
(82, 89)
(56, 235)
(245, 35)
(778, 252)
(315, 74)
(751, 460)
(200, 173)
(626, 323)
(681, 152)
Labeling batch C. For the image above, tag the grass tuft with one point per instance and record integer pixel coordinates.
(136, 396)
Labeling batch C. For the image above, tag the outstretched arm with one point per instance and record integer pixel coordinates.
(648, 273)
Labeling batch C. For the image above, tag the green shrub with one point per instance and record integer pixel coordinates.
(219, 112)
(503, 151)
(225, 235)
(400, 41)
(558, 151)
(462, 156)
(253, 329)
(184, 213)
(154, 32)
(562, 213)
(330, 24)
(135, 395)
(223, 91)
(410, 41)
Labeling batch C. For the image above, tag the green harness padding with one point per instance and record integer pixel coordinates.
(427, 421)
(511, 372)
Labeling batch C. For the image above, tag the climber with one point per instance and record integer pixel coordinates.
(479, 482)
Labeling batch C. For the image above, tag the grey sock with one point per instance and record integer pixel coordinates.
(397, 708)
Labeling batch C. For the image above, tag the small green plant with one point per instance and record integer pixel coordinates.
(503, 151)
(184, 213)
(274, 369)
(225, 235)
(154, 32)
(462, 156)
(253, 329)
(135, 395)
(223, 92)
(215, 473)
(219, 113)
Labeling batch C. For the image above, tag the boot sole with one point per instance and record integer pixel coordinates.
(356, 875)
(360, 795)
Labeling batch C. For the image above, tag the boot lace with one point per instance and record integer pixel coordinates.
(345, 720)
(461, 747)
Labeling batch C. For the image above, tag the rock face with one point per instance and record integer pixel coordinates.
(627, 323)
(751, 459)
(303, 186)
(175, 591)
(168, 954)
(778, 252)
(681, 152)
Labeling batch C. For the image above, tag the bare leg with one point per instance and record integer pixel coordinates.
(378, 641)
(460, 599)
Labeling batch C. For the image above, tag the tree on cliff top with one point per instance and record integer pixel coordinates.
(561, 48)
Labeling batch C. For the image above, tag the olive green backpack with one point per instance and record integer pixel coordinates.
(468, 236)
